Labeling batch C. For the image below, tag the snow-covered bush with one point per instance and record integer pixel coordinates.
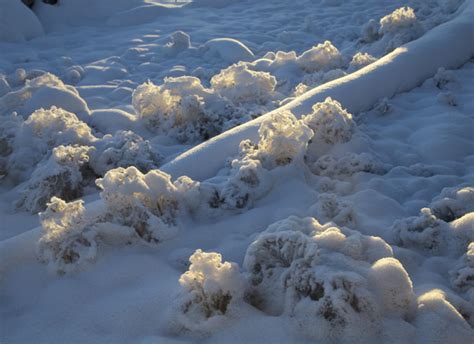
(39, 134)
(240, 85)
(317, 78)
(425, 231)
(330, 207)
(123, 149)
(331, 124)
(322, 57)
(282, 140)
(9, 126)
(321, 276)
(462, 276)
(44, 91)
(149, 203)
(360, 60)
(453, 203)
(210, 291)
(443, 78)
(182, 108)
(445, 227)
(370, 31)
(61, 176)
(399, 27)
(347, 165)
(69, 240)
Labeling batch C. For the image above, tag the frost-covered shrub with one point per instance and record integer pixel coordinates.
(149, 203)
(314, 79)
(322, 57)
(9, 126)
(331, 124)
(360, 60)
(453, 203)
(39, 134)
(370, 31)
(400, 27)
(246, 182)
(182, 108)
(462, 276)
(347, 165)
(61, 176)
(424, 231)
(210, 291)
(241, 85)
(124, 149)
(44, 91)
(282, 141)
(330, 207)
(320, 276)
(447, 98)
(443, 78)
(445, 227)
(69, 240)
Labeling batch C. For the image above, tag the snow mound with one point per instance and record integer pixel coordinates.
(44, 91)
(228, 49)
(18, 23)
(210, 290)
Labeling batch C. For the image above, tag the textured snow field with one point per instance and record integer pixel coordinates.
(393, 181)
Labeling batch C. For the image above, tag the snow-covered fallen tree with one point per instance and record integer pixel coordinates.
(444, 46)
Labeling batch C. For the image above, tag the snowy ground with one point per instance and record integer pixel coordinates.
(334, 226)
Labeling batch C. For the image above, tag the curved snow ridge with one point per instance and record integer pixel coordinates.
(448, 45)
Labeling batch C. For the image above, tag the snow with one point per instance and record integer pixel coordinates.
(234, 171)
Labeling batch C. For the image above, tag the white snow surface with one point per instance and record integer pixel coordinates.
(223, 171)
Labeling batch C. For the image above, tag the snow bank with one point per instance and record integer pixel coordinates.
(228, 49)
(444, 46)
(17, 22)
